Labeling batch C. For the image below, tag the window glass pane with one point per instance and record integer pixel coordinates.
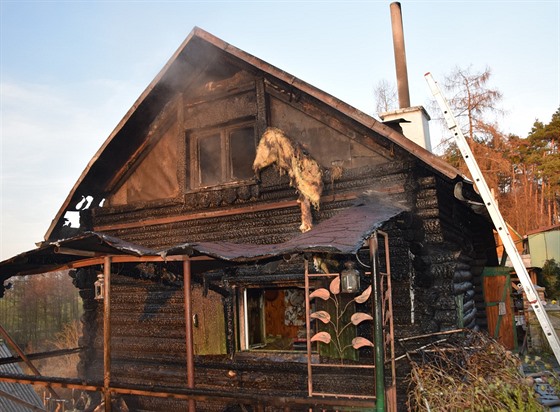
(210, 159)
(242, 153)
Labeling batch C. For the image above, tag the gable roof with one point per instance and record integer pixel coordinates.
(201, 51)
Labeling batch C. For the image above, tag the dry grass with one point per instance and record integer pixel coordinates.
(61, 366)
(64, 365)
(469, 372)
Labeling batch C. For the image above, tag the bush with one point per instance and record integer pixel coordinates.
(551, 278)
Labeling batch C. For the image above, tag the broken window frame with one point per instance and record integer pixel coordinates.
(227, 174)
(244, 325)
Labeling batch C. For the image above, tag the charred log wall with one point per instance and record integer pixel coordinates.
(456, 248)
(148, 349)
(84, 279)
(148, 318)
(436, 255)
(448, 247)
(268, 226)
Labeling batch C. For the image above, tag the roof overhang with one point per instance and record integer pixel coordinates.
(343, 234)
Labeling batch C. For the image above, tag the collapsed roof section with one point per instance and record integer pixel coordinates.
(344, 233)
(203, 57)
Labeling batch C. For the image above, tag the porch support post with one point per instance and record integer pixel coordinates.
(378, 325)
(308, 331)
(107, 333)
(189, 329)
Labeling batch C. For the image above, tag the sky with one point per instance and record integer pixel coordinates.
(70, 70)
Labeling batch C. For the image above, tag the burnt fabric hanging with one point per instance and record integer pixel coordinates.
(290, 157)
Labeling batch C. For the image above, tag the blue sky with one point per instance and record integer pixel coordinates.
(70, 70)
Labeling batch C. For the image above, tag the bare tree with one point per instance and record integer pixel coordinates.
(473, 102)
(385, 94)
(475, 105)
(522, 171)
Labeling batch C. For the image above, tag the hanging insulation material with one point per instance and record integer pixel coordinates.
(275, 148)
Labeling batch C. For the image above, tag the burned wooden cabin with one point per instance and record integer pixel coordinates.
(248, 239)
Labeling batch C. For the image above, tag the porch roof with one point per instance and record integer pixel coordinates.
(344, 233)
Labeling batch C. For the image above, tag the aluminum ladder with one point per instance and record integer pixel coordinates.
(497, 219)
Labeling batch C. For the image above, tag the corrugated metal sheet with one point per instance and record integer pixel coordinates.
(23, 392)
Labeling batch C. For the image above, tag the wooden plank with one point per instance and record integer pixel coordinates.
(123, 259)
(499, 311)
(231, 108)
(189, 329)
(163, 122)
(41, 355)
(262, 120)
(365, 137)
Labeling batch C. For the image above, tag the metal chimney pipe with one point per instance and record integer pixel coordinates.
(400, 55)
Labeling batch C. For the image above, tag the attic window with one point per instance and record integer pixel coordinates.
(222, 155)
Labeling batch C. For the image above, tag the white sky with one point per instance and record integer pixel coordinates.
(71, 70)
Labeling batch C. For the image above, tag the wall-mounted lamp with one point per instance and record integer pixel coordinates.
(99, 287)
(349, 278)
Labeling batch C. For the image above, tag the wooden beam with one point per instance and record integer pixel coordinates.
(308, 329)
(41, 355)
(46, 381)
(75, 252)
(262, 120)
(378, 323)
(196, 216)
(122, 259)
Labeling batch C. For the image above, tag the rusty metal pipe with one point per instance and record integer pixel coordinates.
(378, 324)
(308, 330)
(400, 55)
(107, 333)
(201, 394)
